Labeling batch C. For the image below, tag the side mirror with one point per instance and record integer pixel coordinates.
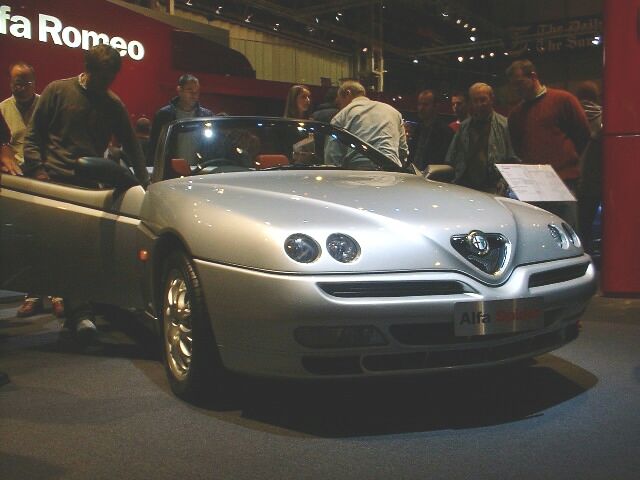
(439, 173)
(106, 171)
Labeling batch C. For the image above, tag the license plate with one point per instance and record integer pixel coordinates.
(498, 316)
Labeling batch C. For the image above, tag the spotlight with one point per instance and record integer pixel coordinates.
(219, 10)
(458, 21)
(415, 60)
(248, 18)
(188, 3)
(473, 29)
(365, 50)
(461, 59)
(472, 38)
(466, 25)
(482, 56)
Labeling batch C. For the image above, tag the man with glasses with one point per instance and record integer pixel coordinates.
(17, 111)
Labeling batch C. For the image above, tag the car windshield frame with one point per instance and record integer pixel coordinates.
(369, 157)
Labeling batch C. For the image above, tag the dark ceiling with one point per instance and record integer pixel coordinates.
(438, 38)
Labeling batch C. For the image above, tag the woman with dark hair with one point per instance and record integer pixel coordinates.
(298, 102)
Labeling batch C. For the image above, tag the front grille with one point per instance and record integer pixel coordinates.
(557, 275)
(392, 289)
(452, 358)
(350, 365)
(494, 261)
(443, 333)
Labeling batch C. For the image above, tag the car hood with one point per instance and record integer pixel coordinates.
(401, 221)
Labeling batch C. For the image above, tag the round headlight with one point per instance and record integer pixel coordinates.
(571, 233)
(342, 247)
(302, 248)
(559, 236)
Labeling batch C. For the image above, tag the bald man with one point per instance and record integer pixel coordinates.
(481, 142)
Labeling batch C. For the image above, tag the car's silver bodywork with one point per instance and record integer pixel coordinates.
(67, 241)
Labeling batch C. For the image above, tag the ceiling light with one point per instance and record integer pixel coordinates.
(471, 58)
(317, 20)
(492, 54)
(219, 10)
(472, 38)
(482, 56)
(365, 50)
(596, 40)
(445, 14)
(461, 59)
(506, 54)
(415, 60)
(466, 25)
(473, 29)
(332, 40)
(188, 3)
(248, 18)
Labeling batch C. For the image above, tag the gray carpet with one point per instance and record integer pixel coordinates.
(107, 412)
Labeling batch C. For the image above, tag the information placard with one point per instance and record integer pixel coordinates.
(535, 183)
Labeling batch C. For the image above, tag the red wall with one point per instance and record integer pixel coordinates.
(621, 143)
(143, 85)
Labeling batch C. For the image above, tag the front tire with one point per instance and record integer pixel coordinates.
(191, 358)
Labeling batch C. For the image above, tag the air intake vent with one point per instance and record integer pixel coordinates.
(558, 275)
(392, 289)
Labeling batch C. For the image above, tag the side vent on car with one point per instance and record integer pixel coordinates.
(557, 275)
(393, 289)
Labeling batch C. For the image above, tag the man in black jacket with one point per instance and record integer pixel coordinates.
(184, 105)
(430, 141)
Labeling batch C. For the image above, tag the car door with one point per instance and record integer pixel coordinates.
(68, 241)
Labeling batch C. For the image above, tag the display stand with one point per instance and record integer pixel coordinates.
(535, 183)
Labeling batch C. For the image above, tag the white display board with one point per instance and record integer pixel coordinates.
(535, 183)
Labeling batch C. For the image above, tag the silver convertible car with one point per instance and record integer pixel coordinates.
(280, 248)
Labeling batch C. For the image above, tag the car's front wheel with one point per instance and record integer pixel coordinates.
(191, 357)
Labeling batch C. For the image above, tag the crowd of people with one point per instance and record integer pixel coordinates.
(43, 135)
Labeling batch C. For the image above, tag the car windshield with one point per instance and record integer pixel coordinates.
(208, 146)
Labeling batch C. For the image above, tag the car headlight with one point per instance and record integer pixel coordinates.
(559, 236)
(302, 248)
(571, 233)
(342, 247)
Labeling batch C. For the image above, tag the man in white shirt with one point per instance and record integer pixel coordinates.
(377, 123)
(18, 108)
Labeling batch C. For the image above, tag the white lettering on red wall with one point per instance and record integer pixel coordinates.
(52, 30)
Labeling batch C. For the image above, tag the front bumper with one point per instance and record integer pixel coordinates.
(254, 316)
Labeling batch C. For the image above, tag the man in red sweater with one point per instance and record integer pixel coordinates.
(548, 126)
